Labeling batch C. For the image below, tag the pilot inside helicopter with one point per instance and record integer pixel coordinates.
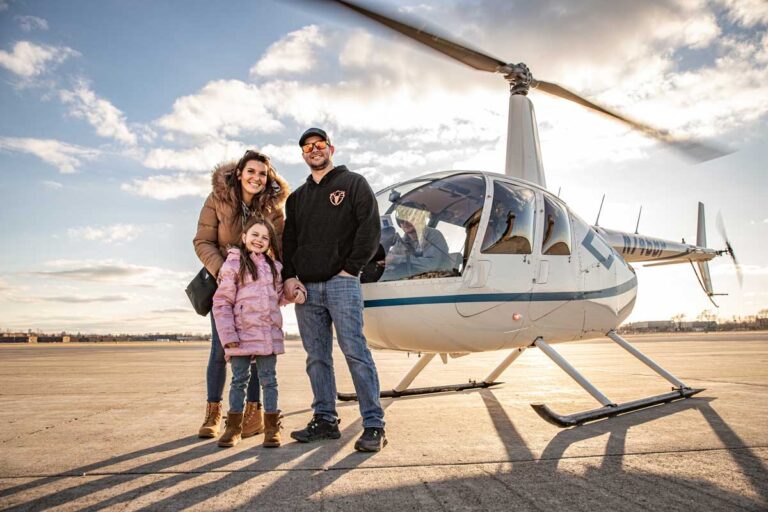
(420, 250)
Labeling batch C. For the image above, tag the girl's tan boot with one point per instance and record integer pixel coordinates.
(253, 419)
(212, 422)
(233, 430)
(272, 428)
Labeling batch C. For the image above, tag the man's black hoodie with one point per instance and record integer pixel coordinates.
(330, 226)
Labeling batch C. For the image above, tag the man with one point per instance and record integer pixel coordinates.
(421, 250)
(332, 230)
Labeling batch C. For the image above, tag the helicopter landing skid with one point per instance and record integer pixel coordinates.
(347, 397)
(402, 387)
(572, 420)
(609, 408)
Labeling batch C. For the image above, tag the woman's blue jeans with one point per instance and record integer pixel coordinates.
(216, 374)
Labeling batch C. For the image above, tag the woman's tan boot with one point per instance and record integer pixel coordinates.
(232, 431)
(210, 427)
(272, 428)
(253, 419)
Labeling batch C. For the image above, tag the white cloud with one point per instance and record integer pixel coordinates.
(30, 23)
(53, 185)
(415, 8)
(112, 271)
(108, 120)
(747, 12)
(223, 108)
(285, 153)
(170, 187)
(29, 60)
(115, 233)
(77, 299)
(294, 53)
(66, 157)
(202, 157)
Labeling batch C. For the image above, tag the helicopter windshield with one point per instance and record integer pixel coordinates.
(425, 227)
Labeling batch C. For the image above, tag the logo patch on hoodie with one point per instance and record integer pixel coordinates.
(337, 197)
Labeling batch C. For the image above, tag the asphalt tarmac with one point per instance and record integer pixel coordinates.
(113, 426)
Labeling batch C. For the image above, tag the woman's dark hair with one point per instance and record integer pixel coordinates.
(260, 202)
(246, 263)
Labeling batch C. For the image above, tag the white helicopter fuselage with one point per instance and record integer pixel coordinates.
(502, 300)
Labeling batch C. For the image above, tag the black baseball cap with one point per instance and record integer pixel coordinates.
(313, 131)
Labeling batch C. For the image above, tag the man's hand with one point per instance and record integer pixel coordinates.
(291, 287)
(300, 297)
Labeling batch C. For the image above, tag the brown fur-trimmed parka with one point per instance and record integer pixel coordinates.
(220, 226)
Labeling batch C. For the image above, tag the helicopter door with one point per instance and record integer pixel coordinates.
(499, 273)
(556, 276)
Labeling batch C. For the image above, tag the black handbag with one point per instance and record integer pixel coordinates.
(200, 292)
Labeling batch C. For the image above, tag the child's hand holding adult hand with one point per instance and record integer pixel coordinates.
(234, 344)
(299, 297)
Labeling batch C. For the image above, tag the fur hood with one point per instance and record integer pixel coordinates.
(223, 192)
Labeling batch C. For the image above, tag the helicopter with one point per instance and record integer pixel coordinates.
(475, 261)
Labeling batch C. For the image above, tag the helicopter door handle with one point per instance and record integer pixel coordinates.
(543, 272)
(478, 274)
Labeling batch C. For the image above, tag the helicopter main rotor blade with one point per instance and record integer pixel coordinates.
(459, 52)
(697, 151)
(693, 149)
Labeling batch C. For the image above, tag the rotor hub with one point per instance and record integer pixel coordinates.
(519, 78)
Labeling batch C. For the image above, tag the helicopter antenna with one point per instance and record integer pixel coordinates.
(558, 191)
(637, 226)
(597, 220)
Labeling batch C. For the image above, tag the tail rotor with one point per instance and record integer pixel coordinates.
(729, 249)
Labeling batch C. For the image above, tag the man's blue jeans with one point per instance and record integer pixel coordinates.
(216, 374)
(241, 372)
(338, 301)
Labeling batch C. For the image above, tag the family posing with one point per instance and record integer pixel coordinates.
(268, 248)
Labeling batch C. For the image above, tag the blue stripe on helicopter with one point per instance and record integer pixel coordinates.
(505, 297)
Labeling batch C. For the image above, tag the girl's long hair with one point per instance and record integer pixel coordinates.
(247, 266)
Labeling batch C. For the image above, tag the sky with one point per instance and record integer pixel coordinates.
(115, 112)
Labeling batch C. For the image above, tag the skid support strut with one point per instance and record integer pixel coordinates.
(491, 378)
(609, 408)
(402, 388)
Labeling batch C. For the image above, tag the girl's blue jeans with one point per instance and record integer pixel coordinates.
(216, 374)
(241, 371)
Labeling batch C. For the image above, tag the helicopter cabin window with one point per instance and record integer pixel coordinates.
(425, 225)
(557, 230)
(510, 227)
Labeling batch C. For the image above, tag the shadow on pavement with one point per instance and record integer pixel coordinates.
(256, 477)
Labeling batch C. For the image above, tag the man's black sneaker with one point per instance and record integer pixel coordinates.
(317, 428)
(372, 440)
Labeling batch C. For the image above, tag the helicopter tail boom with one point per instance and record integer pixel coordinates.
(653, 252)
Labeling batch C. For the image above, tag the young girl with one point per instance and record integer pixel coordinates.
(248, 320)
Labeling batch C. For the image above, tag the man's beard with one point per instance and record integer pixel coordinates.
(320, 166)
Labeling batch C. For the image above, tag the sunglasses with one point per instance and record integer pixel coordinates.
(320, 144)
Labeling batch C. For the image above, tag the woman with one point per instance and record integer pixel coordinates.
(250, 186)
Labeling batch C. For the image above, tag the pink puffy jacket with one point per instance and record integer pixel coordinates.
(249, 313)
